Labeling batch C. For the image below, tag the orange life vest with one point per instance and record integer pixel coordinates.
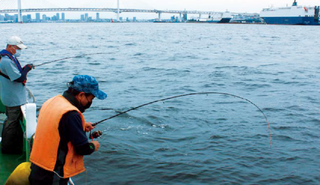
(46, 143)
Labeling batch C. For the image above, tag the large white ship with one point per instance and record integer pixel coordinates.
(294, 15)
(215, 18)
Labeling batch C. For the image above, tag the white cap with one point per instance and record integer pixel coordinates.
(16, 41)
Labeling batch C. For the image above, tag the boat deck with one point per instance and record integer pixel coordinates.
(8, 162)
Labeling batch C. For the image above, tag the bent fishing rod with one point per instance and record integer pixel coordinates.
(190, 94)
(66, 58)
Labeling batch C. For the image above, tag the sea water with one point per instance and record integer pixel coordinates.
(204, 139)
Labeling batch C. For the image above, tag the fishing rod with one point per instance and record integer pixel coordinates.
(190, 94)
(66, 58)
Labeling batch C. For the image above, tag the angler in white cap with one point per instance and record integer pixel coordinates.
(13, 79)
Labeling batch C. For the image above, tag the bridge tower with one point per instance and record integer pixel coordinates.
(118, 11)
(19, 11)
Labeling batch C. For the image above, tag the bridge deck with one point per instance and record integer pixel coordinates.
(107, 10)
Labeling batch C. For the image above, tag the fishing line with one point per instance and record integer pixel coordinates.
(164, 99)
(190, 94)
(66, 58)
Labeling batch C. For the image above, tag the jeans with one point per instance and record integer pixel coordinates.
(12, 134)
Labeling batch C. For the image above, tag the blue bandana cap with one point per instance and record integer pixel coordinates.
(88, 84)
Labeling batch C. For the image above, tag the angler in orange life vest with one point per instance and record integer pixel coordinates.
(60, 140)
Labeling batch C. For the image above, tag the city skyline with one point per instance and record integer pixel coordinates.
(60, 17)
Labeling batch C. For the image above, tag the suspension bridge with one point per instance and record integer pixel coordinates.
(117, 10)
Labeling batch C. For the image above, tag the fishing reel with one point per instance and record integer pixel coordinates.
(95, 134)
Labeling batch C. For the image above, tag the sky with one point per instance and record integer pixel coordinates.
(239, 6)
